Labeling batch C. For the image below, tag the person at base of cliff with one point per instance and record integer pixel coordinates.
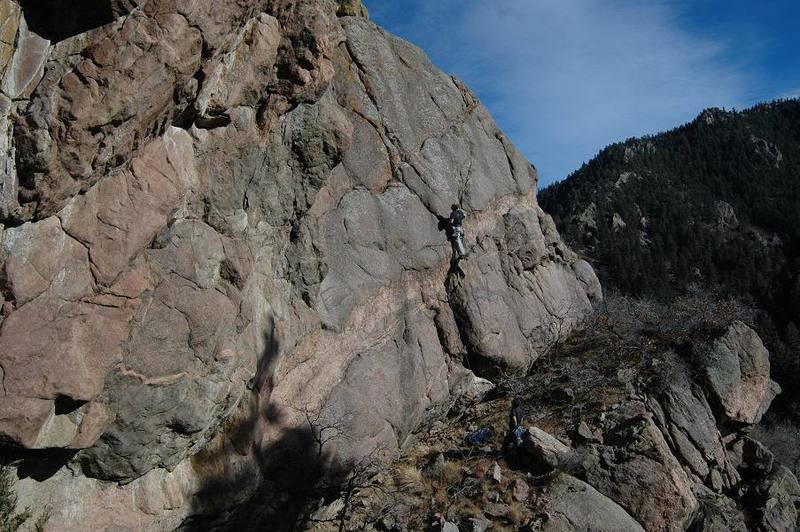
(457, 230)
(515, 419)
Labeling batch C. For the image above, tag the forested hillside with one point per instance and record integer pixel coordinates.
(712, 205)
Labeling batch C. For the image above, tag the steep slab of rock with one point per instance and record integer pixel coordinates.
(22, 68)
(575, 505)
(688, 424)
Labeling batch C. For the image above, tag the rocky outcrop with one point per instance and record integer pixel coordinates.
(767, 150)
(635, 467)
(220, 218)
(678, 456)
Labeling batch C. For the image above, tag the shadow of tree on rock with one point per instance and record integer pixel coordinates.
(278, 488)
(248, 484)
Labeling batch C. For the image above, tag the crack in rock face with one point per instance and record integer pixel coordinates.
(226, 216)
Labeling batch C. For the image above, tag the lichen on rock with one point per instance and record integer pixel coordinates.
(352, 8)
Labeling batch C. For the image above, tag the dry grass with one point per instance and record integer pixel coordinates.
(420, 451)
(408, 477)
(440, 497)
(451, 473)
(481, 469)
(518, 514)
(469, 508)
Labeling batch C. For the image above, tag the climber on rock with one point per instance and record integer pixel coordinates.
(456, 230)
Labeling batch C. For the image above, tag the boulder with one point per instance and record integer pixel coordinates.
(447, 526)
(737, 370)
(575, 505)
(585, 433)
(520, 490)
(478, 524)
(476, 387)
(546, 451)
(496, 510)
(434, 468)
(495, 473)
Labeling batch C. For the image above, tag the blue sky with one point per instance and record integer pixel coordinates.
(564, 78)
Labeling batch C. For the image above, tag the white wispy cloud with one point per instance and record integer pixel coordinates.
(565, 78)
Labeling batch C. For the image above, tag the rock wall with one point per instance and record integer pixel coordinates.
(219, 217)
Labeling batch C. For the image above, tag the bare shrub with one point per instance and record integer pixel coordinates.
(10, 520)
(681, 320)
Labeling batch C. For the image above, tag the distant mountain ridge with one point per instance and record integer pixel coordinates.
(714, 204)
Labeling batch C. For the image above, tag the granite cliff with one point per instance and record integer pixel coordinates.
(221, 220)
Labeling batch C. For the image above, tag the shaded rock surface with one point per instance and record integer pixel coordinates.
(652, 449)
(636, 468)
(675, 457)
(576, 505)
(218, 218)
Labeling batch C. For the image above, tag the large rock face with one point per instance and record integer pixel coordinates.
(218, 217)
